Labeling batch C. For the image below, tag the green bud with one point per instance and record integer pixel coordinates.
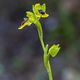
(54, 50)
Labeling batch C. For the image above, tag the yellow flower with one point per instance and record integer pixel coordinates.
(29, 21)
(32, 17)
(39, 10)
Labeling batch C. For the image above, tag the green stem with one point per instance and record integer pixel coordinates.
(45, 49)
(40, 33)
(49, 71)
(47, 65)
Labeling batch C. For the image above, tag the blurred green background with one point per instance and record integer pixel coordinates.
(21, 55)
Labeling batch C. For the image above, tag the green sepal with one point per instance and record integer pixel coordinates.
(30, 16)
(54, 49)
(43, 7)
(36, 7)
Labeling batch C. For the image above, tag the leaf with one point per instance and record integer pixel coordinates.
(53, 51)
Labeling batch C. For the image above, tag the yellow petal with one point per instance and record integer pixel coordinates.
(43, 7)
(45, 15)
(30, 16)
(27, 23)
(37, 6)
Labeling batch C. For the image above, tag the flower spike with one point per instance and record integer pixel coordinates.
(39, 11)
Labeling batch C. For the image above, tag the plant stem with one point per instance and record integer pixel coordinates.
(49, 71)
(45, 49)
(40, 33)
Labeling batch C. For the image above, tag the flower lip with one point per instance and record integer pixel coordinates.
(41, 11)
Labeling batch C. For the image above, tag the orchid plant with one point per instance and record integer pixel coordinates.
(39, 11)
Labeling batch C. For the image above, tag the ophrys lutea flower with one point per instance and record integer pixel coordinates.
(39, 11)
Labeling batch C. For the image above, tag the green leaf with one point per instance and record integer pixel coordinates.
(54, 50)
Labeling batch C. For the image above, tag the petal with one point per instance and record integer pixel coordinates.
(33, 8)
(30, 16)
(43, 7)
(27, 23)
(45, 15)
(37, 6)
(38, 14)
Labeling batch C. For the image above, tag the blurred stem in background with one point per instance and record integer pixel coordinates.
(67, 23)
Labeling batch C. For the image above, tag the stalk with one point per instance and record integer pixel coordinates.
(45, 49)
